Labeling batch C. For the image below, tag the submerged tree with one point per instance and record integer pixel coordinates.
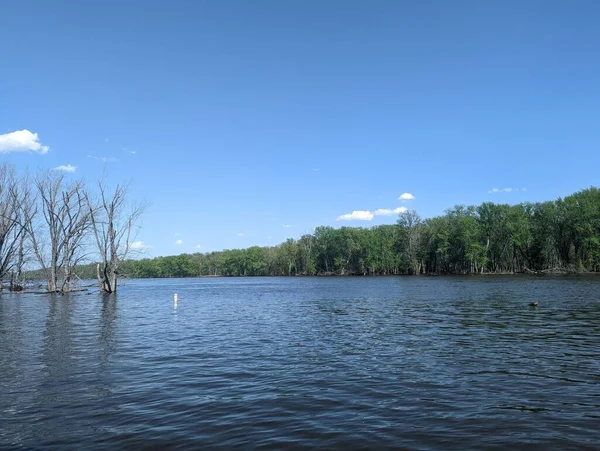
(14, 200)
(66, 220)
(27, 210)
(114, 223)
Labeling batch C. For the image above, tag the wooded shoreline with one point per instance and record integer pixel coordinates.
(560, 237)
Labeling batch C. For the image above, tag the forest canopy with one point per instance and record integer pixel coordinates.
(560, 235)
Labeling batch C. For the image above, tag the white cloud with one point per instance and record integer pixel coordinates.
(178, 242)
(356, 215)
(176, 234)
(22, 141)
(366, 215)
(241, 234)
(197, 246)
(316, 169)
(406, 196)
(388, 212)
(505, 190)
(269, 237)
(66, 168)
(139, 245)
(287, 226)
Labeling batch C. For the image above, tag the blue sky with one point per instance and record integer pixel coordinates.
(247, 122)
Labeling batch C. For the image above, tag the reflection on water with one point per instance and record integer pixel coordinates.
(107, 320)
(303, 362)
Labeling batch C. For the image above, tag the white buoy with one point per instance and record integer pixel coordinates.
(175, 300)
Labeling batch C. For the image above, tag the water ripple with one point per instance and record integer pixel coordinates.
(271, 363)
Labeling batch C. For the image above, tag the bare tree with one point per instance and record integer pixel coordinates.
(66, 219)
(27, 211)
(114, 223)
(12, 228)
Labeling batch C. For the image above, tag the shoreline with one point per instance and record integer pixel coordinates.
(527, 274)
(87, 288)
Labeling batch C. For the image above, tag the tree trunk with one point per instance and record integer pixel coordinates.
(52, 279)
(100, 281)
(114, 282)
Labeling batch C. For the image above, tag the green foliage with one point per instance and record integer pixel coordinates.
(465, 240)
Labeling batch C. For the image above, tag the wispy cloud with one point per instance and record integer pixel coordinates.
(388, 212)
(65, 168)
(139, 245)
(316, 169)
(356, 215)
(406, 196)
(506, 190)
(178, 242)
(22, 141)
(103, 159)
(287, 226)
(241, 234)
(197, 246)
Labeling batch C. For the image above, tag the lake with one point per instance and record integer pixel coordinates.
(331, 362)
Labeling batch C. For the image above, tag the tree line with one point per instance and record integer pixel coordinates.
(55, 224)
(560, 235)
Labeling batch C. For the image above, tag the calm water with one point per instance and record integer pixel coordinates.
(408, 363)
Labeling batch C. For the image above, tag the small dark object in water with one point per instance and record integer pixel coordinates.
(533, 304)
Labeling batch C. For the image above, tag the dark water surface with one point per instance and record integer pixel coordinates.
(344, 363)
